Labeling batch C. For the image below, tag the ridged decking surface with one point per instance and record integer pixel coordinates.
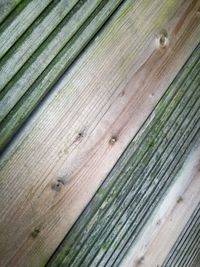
(99, 133)
(121, 207)
(42, 46)
(187, 248)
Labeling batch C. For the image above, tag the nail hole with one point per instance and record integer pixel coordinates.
(158, 222)
(122, 93)
(140, 260)
(198, 12)
(179, 200)
(162, 39)
(35, 232)
(113, 140)
(80, 135)
(57, 185)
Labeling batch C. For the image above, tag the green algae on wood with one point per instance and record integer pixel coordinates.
(139, 180)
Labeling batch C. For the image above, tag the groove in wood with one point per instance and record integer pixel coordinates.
(170, 217)
(18, 22)
(36, 34)
(126, 76)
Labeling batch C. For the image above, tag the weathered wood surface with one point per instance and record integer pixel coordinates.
(18, 22)
(28, 71)
(170, 218)
(55, 165)
(187, 247)
(123, 203)
(6, 7)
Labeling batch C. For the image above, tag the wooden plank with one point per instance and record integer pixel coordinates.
(169, 219)
(85, 124)
(123, 203)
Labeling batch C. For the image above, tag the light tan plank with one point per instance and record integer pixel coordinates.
(104, 98)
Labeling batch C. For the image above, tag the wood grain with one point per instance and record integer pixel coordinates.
(19, 21)
(139, 180)
(186, 248)
(24, 84)
(80, 131)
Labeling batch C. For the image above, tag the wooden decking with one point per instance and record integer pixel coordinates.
(99, 133)
(137, 183)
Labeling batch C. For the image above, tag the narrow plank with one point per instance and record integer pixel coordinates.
(169, 219)
(85, 124)
(122, 205)
(18, 21)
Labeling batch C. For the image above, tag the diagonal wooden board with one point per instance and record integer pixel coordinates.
(138, 182)
(86, 123)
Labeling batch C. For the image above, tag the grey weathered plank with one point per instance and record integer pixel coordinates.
(112, 220)
(25, 46)
(169, 219)
(19, 21)
(6, 7)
